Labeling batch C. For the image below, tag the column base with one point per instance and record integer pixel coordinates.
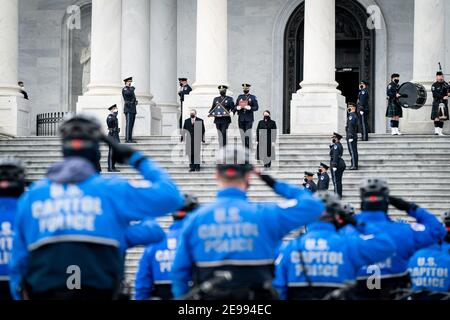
(170, 118)
(317, 113)
(15, 118)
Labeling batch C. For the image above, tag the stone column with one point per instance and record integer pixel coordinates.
(429, 49)
(318, 107)
(105, 86)
(136, 60)
(163, 62)
(14, 110)
(211, 58)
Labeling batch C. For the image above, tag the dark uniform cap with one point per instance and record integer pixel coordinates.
(351, 104)
(309, 174)
(246, 85)
(395, 75)
(439, 73)
(128, 79)
(182, 79)
(112, 107)
(365, 82)
(337, 135)
(221, 87)
(324, 165)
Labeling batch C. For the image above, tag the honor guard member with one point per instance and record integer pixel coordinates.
(439, 111)
(113, 131)
(309, 182)
(185, 89)
(75, 217)
(364, 110)
(246, 105)
(12, 186)
(323, 178)
(237, 236)
(393, 272)
(221, 108)
(394, 110)
(352, 134)
(153, 275)
(337, 163)
(322, 261)
(194, 135)
(429, 269)
(129, 96)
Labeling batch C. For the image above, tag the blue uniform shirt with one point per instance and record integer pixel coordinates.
(429, 268)
(156, 263)
(331, 259)
(96, 210)
(408, 238)
(8, 207)
(235, 232)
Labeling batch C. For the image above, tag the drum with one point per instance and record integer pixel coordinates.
(413, 95)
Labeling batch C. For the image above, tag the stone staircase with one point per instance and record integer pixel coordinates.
(416, 167)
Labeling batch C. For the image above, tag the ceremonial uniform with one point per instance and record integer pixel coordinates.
(113, 131)
(439, 91)
(246, 105)
(352, 138)
(337, 165)
(185, 89)
(364, 113)
(310, 184)
(222, 123)
(129, 109)
(393, 109)
(323, 182)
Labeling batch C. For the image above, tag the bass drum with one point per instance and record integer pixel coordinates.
(413, 95)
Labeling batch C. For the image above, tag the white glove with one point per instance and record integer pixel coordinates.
(350, 140)
(361, 112)
(239, 108)
(248, 108)
(334, 169)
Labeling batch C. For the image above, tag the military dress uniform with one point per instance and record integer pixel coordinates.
(394, 109)
(129, 109)
(364, 112)
(222, 123)
(440, 90)
(352, 138)
(337, 165)
(310, 184)
(246, 117)
(113, 131)
(184, 91)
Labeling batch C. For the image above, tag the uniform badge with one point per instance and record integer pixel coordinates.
(335, 147)
(322, 178)
(389, 86)
(350, 118)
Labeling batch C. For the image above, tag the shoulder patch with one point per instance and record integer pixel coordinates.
(418, 227)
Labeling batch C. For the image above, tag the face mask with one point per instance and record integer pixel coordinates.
(266, 117)
(192, 116)
(320, 170)
(116, 113)
(349, 110)
(222, 93)
(306, 180)
(396, 81)
(361, 87)
(334, 140)
(246, 91)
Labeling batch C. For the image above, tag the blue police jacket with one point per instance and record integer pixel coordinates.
(330, 258)
(408, 238)
(429, 268)
(235, 232)
(156, 263)
(8, 207)
(96, 210)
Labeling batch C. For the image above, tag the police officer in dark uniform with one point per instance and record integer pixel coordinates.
(337, 164)
(394, 110)
(323, 178)
(129, 96)
(235, 236)
(309, 182)
(364, 110)
(439, 114)
(185, 89)
(113, 131)
(352, 134)
(12, 186)
(246, 105)
(222, 122)
(153, 274)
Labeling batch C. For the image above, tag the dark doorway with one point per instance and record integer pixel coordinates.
(355, 45)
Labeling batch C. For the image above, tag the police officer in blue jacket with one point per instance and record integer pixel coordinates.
(323, 260)
(364, 109)
(80, 220)
(246, 106)
(352, 135)
(12, 186)
(153, 275)
(235, 236)
(429, 269)
(381, 280)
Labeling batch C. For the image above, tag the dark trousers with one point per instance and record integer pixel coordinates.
(130, 119)
(364, 125)
(337, 180)
(246, 133)
(111, 155)
(192, 159)
(353, 150)
(222, 132)
(5, 293)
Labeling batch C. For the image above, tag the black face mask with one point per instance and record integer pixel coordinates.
(396, 81)
(320, 170)
(192, 116)
(334, 140)
(361, 87)
(116, 113)
(246, 91)
(266, 117)
(223, 93)
(306, 180)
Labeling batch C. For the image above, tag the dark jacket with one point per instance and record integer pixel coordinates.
(336, 152)
(247, 115)
(129, 97)
(193, 135)
(113, 126)
(228, 103)
(266, 134)
(323, 182)
(184, 90)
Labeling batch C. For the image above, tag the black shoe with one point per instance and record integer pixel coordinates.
(126, 141)
(116, 170)
(133, 141)
(191, 170)
(198, 169)
(353, 168)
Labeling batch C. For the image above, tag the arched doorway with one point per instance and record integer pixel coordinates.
(355, 47)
